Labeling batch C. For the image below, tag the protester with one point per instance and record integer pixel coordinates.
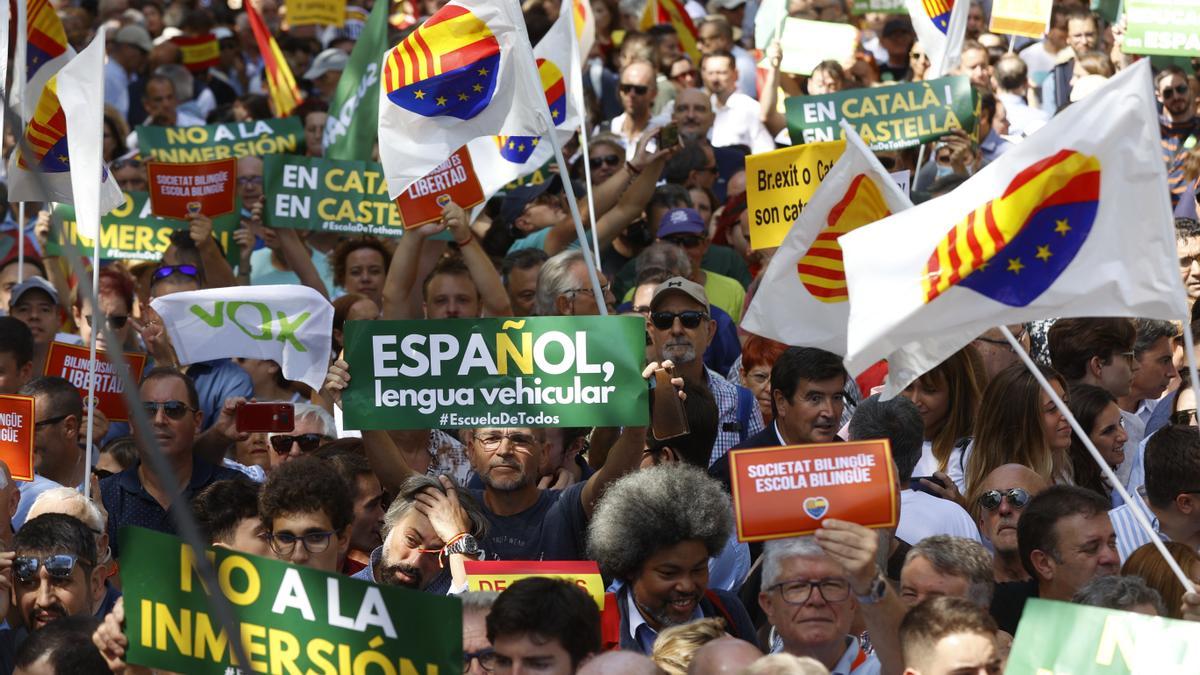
(947, 635)
(308, 512)
(16, 354)
(1168, 500)
(478, 655)
(545, 624)
(55, 571)
(57, 650)
(58, 457)
(947, 397)
(1149, 565)
(944, 565)
(996, 505)
(72, 503)
(676, 646)
(1125, 593)
(227, 513)
(724, 655)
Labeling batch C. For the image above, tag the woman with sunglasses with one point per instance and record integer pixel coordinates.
(1019, 424)
(1097, 412)
(948, 398)
(115, 300)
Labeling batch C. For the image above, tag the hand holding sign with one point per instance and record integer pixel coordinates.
(336, 380)
(853, 547)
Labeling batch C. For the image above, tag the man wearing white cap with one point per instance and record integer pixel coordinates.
(326, 70)
(127, 53)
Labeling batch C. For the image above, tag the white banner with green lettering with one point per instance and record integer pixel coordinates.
(290, 325)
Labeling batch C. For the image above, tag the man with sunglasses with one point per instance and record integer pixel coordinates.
(1179, 125)
(637, 89)
(54, 571)
(137, 495)
(313, 427)
(997, 509)
(308, 510)
(58, 458)
(685, 228)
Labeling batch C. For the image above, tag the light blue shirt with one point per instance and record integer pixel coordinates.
(1130, 535)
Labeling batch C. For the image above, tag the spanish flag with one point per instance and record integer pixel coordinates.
(199, 52)
(672, 12)
(1073, 222)
(282, 91)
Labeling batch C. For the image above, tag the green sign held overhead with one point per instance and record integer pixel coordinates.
(577, 371)
(879, 7)
(131, 232)
(313, 193)
(218, 141)
(1162, 27)
(290, 619)
(887, 118)
(1059, 637)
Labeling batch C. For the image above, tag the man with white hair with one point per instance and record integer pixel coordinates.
(313, 427)
(73, 503)
(812, 587)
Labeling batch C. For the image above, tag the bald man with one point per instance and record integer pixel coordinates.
(997, 507)
(723, 655)
(619, 663)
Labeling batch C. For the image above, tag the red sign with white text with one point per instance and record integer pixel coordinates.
(70, 362)
(453, 181)
(17, 421)
(787, 491)
(184, 191)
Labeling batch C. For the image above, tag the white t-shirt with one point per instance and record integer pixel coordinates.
(737, 123)
(923, 515)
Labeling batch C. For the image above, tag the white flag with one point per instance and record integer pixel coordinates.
(81, 87)
(291, 325)
(941, 26)
(802, 299)
(1075, 221)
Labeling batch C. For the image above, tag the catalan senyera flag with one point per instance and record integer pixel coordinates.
(1047, 230)
(806, 276)
(673, 12)
(941, 26)
(282, 91)
(43, 52)
(57, 133)
(463, 74)
(199, 52)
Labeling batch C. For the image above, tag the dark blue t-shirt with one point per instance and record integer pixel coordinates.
(554, 528)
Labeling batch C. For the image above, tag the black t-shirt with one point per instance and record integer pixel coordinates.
(1008, 603)
(554, 528)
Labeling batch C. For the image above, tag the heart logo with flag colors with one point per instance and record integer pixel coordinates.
(816, 507)
(1013, 248)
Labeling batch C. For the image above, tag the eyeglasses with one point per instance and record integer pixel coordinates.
(250, 180)
(282, 443)
(113, 321)
(666, 320)
(174, 409)
(1184, 417)
(685, 240)
(493, 439)
(58, 566)
(38, 426)
(165, 271)
(597, 161)
(687, 74)
(486, 656)
(603, 289)
(117, 165)
(991, 500)
(639, 89)
(1177, 90)
(283, 543)
(798, 592)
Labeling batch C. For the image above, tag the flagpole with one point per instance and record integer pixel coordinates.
(20, 242)
(1104, 467)
(97, 320)
(552, 133)
(583, 140)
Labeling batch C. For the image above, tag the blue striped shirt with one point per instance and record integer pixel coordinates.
(1130, 535)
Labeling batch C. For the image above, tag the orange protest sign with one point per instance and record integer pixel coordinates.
(497, 575)
(788, 491)
(453, 181)
(183, 191)
(70, 362)
(16, 435)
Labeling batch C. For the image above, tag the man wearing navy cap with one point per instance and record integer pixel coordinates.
(685, 228)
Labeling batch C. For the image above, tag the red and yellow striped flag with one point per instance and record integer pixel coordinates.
(282, 91)
(673, 12)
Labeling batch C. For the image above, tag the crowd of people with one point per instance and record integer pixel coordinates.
(1000, 501)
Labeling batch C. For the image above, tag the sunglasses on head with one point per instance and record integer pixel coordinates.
(58, 566)
(113, 321)
(639, 89)
(1177, 90)
(665, 320)
(165, 271)
(991, 499)
(597, 161)
(282, 443)
(174, 409)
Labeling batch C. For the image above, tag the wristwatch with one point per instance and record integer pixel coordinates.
(466, 545)
(875, 591)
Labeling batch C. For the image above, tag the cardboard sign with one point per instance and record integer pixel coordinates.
(289, 618)
(131, 232)
(453, 181)
(903, 180)
(497, 575)
(1162, 28)
(576, 371)
(778, 185)
(185, 145)
(807, 43)
(316, 12)
(1063, 637)
(1027, 18)
(70, 362)
(184, 191)
(887, 118)
(17, 421)
(787, 491)
(199, 52)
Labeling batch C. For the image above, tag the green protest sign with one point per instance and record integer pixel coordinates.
(1060, 637)
(353, 121)
(131, 232)
(313, 193)
(290, 619)
(878, 7)
(218, 141)
(1162, 27)
(579, 371)
(888, 118)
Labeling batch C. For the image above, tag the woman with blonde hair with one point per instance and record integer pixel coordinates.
(1147, 563)
(675, 646)
(948, 398)
(1019, 424)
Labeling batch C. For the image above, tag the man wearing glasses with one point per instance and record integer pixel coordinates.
(997, 509)
(137, 495)
(308, 510)
(1178, 124)
(637, 90)
(685, 228)
(54, 572)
